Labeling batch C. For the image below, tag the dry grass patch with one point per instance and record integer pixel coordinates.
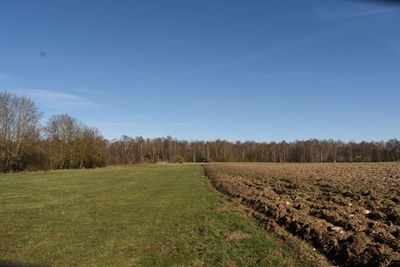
(237, 236)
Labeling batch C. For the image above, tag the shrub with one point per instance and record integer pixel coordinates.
(179, 159)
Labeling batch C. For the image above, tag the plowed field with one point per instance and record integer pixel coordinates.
(349, 212)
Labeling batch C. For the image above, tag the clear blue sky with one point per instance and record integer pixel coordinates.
(236, 70)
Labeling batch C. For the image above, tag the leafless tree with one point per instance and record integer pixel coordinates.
(72, 144)
(19, 117)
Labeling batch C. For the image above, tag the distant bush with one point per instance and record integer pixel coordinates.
(179, 159)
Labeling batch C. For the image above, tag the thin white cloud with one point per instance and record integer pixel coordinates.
(351, 12)
(280, 75)
(87, 90)
(241, 59)
(56, 99)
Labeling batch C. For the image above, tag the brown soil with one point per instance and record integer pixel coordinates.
(349, 212)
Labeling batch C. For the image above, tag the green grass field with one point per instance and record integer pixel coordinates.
(129, 216)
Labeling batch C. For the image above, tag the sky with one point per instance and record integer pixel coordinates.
(209, 69)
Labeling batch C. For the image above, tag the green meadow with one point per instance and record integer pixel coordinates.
(152, 215)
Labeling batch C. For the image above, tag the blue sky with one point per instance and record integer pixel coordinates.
(235, 70)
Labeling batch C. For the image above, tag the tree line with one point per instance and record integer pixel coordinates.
(129, 150)
(64, 143)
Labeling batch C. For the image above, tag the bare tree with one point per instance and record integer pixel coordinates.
(73, 144)
(19, 118)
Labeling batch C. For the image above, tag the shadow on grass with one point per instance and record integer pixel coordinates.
(20, 264)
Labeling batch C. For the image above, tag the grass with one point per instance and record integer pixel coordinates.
(119, 216)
